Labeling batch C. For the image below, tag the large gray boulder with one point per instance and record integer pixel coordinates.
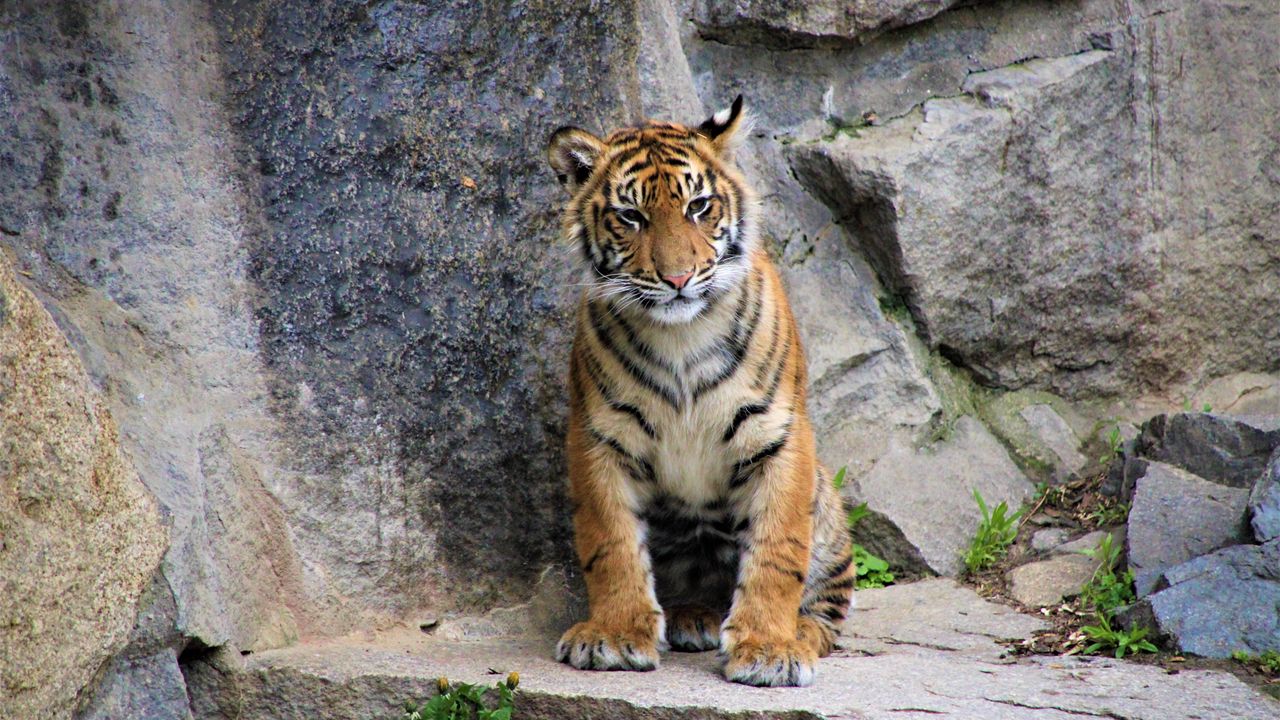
(1223, 450)
(923, 513)
(1176, 517)
(794, 24)
(79, 536)
(1222, 603)
(1081, 271)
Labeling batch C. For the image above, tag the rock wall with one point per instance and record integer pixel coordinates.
(79, 535)
(307, 252)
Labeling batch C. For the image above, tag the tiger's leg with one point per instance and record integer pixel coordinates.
(832, 573)
(625, 627)
(761, 639)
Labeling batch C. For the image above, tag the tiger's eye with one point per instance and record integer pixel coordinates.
(696, 206)
(631, 215)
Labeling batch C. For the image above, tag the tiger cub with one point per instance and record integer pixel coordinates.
(702, 518)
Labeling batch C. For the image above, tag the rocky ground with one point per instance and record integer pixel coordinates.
(920, 650)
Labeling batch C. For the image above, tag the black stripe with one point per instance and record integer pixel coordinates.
(844, 584)
(742, 470)
(641, 346)
(593, 371)
(635, 371)
(840, 568)
(638, 468)
(785, 571)
(739, 341)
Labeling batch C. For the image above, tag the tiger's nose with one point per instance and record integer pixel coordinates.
(678, 281)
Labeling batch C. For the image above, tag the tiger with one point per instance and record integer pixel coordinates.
(702, 518)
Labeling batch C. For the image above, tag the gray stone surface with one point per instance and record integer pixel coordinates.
(1224, 450)
(795, 24)
(1045, 583)
(79, 537)
(1177, 516)
(924, 513)
(1047, 539)
(967, 208)
(1223, 602)
(916, 651)
(150, 687)
(1054, 432)
(1264, 502)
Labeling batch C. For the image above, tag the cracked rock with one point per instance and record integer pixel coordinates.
(1177, 516)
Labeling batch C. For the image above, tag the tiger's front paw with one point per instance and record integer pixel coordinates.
(590, 646)
(691, 628)
(771, 664)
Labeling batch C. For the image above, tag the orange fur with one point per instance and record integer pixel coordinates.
(692, 466)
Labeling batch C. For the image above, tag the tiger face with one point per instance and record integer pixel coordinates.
(664, 220)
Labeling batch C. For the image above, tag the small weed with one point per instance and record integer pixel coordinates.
(996, 532)
(1105, 594)
(873, 572)
(1108, 512)
(1115, 444)
(1124, 642)
(466, 702)
(1268, 663)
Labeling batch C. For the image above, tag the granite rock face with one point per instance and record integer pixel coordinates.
(79, 536)
(1223, 602)
(793, 24)
(1177, 517)
(1223, 450)
(923, 511)
(1032, 265)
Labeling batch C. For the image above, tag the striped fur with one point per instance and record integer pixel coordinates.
(702, 517)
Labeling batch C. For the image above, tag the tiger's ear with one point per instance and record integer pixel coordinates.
(573, 153)
(726, 129)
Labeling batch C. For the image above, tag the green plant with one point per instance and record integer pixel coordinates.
(1114, 444)
(996, 531)
(1268, 662)
(1124, 642)
(1106, 592)
(1109, 513)
(465, 701)
(873, 572)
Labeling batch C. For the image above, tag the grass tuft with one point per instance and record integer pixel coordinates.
(996, 532)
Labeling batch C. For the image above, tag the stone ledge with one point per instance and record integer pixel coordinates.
(904, 675)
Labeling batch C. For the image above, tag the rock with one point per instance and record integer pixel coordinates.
(1222, 602)
(937, 613)
(1044, 583)
(1264, 502)
(916, 651)
(1048, 538)
(79, 536)
(922, 500)
(789, 24)
(1177, 516)
(1091, 540)
(1057, 435)
(1228, 451)
(985, 298)
(967, 204)
(148, 687)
